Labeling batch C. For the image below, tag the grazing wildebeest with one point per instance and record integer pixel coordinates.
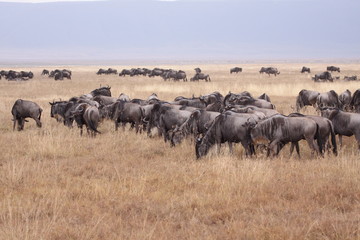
(345, 124)
(201, 76)
(333, 69)
(327, 99)
(155, 72)
(355, 101)
(111, 71)
(235, 70)
(305, 69)
(45, 72)
(225, 128)
(125, 72)
(269, 70)
(198, 123)
(345, 100)
(306, 98)
(101, 71)
(278, 130)
(326, 129)
(323, 77)
(90, 118)
(128, 112)
(352, 78)
(23, 109)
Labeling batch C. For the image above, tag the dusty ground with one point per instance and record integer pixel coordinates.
(120, 185)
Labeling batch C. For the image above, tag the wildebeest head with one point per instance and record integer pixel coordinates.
(201, 149)
(329, 112)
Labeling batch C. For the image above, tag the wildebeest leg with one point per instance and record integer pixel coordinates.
(340, 140)
(249, 148)
(273, 148)
(15, 120)
(230, 147)
(116, 125)
(37, 120)
(297, 149)
(21, 124)
(296, 145)
(313, 145)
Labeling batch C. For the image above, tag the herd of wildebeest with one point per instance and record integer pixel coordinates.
(168, 74)
(211, 119)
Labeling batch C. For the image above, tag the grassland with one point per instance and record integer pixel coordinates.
(121, 185)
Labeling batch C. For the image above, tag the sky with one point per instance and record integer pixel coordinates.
(204, 30)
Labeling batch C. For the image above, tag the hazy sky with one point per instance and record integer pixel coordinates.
(182, 29)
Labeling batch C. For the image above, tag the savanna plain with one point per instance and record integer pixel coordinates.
(56, 184)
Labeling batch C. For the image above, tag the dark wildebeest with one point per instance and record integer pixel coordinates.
(231, 98)
(323, 77)
(306, 98)
(352, 78)
(212, 98)
(326, 129)
(345, 123)
(327, 99)
(156, 72)
(264, 96)
(261, 103)
(90, 118)
(269, 70)
(198, 123)
(127, 112)
(333, 69)
(58, 110)
(235, 70)
(104, 91)
(305, 69)
(125, 72)
(101, 71)
(104, 100)
(28, 75)
(226, 128)
(23, 109)
(345, 101)
(201, 76)
(197, 70)
(278, 130)
(45, 72)
(111, 71)
(355, 101)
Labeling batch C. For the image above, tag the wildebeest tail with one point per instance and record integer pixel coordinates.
(92, 126)
(333, 138)
(319, 140)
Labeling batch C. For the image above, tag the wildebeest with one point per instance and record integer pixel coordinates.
(278, 130)
(327, 99)
(45, 72)
(235, 70)
(124, 97)
(323, 77)
(352, 78)
(201, 76)
(23, 109)
(269, 70)
(104, 91)
(306, 98)
(345, 100)
(355, 101)
(197, 70)
(326, 129)
(252, 109)
(125, 72)
(90, 116)
(345, 124)
(127, 112)
(101, 71)
(305, 69)
(333, 69)
(104, 100)
(261, 103)
(264, 96)
(225, 128)
(198, 123)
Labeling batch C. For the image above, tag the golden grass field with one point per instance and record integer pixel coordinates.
(55, 184)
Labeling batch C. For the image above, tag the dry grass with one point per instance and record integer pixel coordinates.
(58, 185)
